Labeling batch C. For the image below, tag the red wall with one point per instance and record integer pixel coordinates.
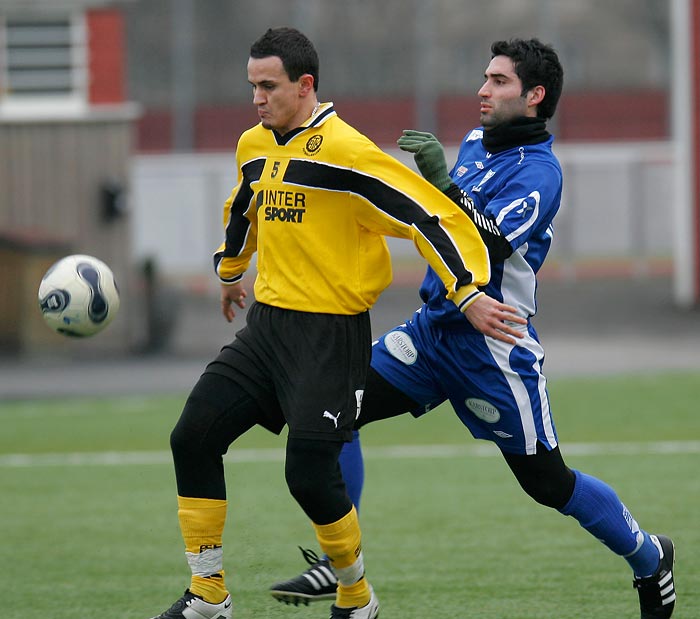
(597, 116)
(581, 116)
(586, 116)
(106, 56)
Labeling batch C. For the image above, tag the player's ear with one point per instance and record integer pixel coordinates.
(535, 95)
(306, 84)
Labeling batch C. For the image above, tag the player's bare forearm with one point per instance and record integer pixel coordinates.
(493, 318)
(232, 294)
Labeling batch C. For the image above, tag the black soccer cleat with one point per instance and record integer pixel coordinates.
(316, 583)
(657, 594)
(191, 606)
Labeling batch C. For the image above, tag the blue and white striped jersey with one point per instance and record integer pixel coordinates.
(519, 191)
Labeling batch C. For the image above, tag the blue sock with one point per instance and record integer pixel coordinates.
(353, 468)
(645, 559)
(598, 509)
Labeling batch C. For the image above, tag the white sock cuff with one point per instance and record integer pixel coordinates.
(352, 573)
(206, 563)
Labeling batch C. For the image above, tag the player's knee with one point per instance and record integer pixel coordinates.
(185, 439)
(544, 476)
(551, 487)
(215, 414)
(314, 479)
(307, 469)
(302, 486)
(548, 492)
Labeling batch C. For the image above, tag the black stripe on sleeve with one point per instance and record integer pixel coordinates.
(387, 199)
(238, 224)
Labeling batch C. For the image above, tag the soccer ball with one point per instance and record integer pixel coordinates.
(78, 296)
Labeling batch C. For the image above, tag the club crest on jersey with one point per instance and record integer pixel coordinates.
(483, 410)
(400, 346)
(313, 144)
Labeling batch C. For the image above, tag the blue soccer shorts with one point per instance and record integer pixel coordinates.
(497, 389)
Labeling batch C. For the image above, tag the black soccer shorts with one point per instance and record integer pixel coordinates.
(304, 369)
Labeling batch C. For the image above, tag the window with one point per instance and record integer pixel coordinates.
(42, 61)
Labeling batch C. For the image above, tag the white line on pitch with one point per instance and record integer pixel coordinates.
(124, 458)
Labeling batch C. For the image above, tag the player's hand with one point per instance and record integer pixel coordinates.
(233, 294)
(429, 156)
(493, 318)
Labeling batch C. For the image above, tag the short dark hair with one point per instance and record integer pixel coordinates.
(536, 64)
(294, 49)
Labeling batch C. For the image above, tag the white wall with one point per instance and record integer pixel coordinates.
(617, 203)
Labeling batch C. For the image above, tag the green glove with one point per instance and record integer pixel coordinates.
(429, 156)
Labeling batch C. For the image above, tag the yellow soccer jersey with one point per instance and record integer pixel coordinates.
(316, 204)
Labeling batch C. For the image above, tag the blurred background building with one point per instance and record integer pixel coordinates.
(388, 64)
(66, 134)
(134, 107)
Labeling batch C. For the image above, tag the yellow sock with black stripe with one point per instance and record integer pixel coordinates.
(202, 525)
(341, 542)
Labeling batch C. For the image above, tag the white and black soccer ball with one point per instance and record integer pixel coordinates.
(78, 296)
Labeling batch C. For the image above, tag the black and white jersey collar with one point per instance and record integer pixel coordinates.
(320, 115)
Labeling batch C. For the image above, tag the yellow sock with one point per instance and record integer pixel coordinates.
(353, 595)
(202, 526)
(211, 589)
(341, 542)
